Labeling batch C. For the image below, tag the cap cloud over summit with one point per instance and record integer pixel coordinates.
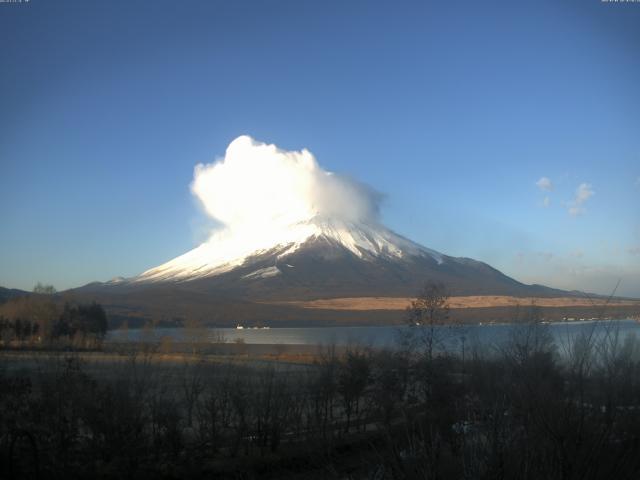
(256, 185)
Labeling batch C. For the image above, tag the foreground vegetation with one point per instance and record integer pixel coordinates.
(529, 409)
(42, 320)
(434, 406)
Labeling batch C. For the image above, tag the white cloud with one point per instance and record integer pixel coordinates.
(545, 184)
(546, 202)
(583, 193)
(575, 211)
(257, 186)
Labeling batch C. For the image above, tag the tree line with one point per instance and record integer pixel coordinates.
(41, 318)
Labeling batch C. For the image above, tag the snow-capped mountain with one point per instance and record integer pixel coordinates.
(226, 251)
(319, 258)
(292, 231)
(255, 276)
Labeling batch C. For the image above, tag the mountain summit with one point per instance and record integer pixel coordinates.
(223, 253)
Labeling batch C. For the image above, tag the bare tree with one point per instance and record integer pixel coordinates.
(353, 378)
(192, 385)
(426, 314)
(44, 289)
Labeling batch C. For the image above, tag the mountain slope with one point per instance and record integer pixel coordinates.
(229, 250)
(9, 293)
(322, 258)
(225, 281)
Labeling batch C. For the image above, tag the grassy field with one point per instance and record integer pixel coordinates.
(474, 301)
(113, 354)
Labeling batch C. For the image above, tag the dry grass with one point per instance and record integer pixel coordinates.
(477, 301)
(251, 354)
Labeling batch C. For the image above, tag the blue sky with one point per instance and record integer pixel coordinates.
(454, 110)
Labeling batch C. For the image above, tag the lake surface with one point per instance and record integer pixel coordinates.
(488, 334)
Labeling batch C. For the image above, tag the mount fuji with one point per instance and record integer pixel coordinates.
(222, 282)
(324, 258)
(291, 232)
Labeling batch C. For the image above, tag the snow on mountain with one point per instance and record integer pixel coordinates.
(267, 272)
(229, 249)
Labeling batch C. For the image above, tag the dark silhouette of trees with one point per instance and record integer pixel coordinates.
(81, 319)
(353, 379)
(41, 318)
(18, 329)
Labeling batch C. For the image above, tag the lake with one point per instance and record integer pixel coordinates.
(384, 336)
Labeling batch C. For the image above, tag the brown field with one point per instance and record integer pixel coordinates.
(112, 355)
(477, 301)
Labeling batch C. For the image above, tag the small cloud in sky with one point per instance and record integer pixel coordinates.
(633, 250)
(575, 211)
(546, 202)
(583, 193)
(545, 184)
(577, 253)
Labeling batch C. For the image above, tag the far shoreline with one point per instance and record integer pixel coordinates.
(390, 325)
